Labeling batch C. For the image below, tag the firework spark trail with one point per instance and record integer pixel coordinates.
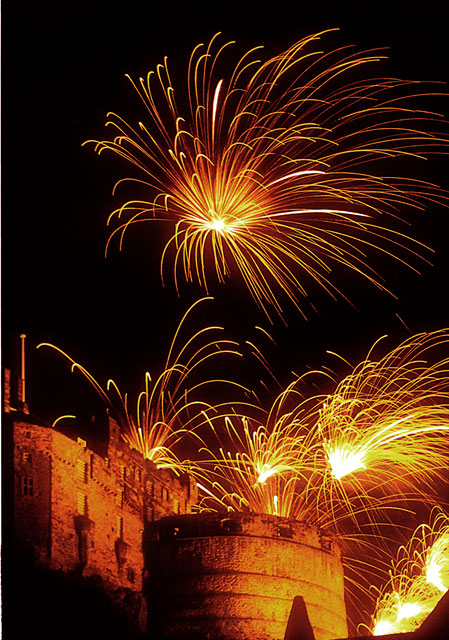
(264, 468)
(437, 556)
(386, 424)
(411, 593)
(167, 409)
(268, 174)
(277, 467)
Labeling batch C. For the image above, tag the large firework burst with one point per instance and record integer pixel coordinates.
(267, 174)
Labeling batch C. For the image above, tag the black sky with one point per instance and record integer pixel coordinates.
(63, 70)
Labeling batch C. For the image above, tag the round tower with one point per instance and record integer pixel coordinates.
(234, 577)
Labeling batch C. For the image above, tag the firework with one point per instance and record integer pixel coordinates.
(263, 468)
(378, 440)
(167, 409)
(388, 422)
(274, 467)
(419, 577)
(386, 425)
(267, 174)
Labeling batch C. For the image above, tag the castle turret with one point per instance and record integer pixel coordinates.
(235, 576)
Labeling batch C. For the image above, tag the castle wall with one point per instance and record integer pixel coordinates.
(234, 577)
(79, 511)
(226, 576)
(32, 491)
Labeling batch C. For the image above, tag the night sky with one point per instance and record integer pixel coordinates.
(63, 69)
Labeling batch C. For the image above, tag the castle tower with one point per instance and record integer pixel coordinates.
(234, 577)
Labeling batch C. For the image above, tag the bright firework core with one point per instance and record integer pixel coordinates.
(265, 472)
(218, 224)
(345, 460)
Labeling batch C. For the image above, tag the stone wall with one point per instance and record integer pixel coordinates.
(234, 576)
(77, 511)
(32, 490)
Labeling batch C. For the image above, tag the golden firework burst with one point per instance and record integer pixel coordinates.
(387, 422)
(267, 174)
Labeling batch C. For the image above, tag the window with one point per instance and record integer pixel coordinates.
(119, 499)
(123, 472)
(176, 506)
(82, 471)
(27, 486)
(81, 503)
(119, 526)
(27, 457)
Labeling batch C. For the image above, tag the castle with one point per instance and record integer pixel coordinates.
(114, 515)
(108, 516)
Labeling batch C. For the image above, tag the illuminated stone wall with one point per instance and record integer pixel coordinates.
(228, 576)
(32, 490)
(79, 511)
(234, 577)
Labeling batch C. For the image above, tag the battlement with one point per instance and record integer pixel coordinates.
(244, 524)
